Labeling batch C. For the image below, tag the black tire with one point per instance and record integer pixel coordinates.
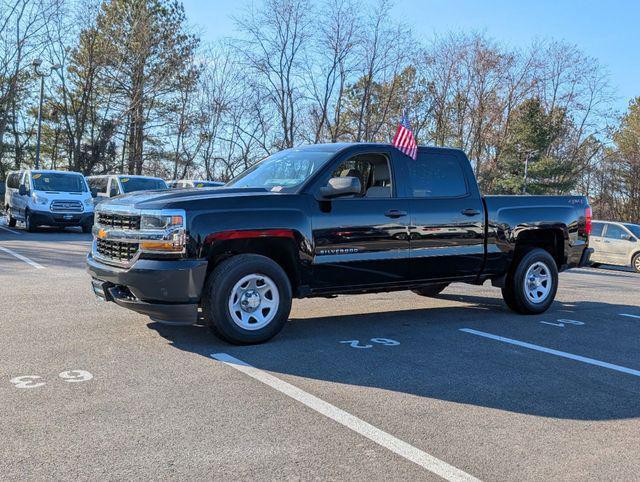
(28, 222)
(11, 220)
(514, 293)
(635, 263)
(595, 265)
(218, 291)
(432, 290)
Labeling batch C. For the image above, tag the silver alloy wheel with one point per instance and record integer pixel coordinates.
(254, 301)
(637, 263)
(537, 282)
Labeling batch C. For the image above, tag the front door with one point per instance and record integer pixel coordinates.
(361, 240)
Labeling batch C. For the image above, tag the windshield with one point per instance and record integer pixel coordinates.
(132, 184)
(634, 228)
(284, 171)
(58, 181)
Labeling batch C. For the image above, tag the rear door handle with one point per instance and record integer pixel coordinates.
(470, 212)
(394, 213)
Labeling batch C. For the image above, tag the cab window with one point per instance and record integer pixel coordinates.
(114, 190)
(436, 176)
(98, 185)
(373, 172)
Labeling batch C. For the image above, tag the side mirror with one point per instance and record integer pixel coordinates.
(22, 190)
(341, 186)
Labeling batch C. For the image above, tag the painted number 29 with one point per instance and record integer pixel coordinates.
(379, 341)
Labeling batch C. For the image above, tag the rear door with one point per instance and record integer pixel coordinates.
(616, 242)
(361, 240)
(447, 216)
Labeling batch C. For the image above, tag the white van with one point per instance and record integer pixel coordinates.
(112, 185)
(48, 198)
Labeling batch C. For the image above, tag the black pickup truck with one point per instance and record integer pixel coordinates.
(329, 219)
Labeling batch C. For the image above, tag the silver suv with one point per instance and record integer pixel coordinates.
(615, 243)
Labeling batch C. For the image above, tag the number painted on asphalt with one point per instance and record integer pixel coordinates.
(379, 341)
(74, 376)
(27, 381)
(561, 323)
(356, 344)
(385, 341)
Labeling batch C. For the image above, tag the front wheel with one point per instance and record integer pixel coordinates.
(531, 285)
(635, 264)
(28, 222)
(247, 299)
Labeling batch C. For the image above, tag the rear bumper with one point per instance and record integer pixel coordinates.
(44, 218)
(167, 291)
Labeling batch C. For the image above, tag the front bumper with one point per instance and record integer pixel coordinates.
(167, 291)
(46, 218)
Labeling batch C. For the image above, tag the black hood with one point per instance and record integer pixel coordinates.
(163, 198)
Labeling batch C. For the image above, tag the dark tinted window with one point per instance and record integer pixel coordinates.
(436, 175)
(616, 232)
(132, 184)
(13, 180)
(99, 184)
(596, 229)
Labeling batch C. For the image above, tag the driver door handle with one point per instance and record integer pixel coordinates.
(470, 212)
(394, 213)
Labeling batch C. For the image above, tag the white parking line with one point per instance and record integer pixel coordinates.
(564, 354)
(10, 230)
(630, 316)
(22, 258)
(352, 422)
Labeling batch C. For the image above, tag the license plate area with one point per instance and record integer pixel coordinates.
(101, 289)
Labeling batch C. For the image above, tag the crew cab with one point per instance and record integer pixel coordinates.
(324, 220)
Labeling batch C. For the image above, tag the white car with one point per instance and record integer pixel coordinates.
(111, 185)
(48, 198)
(187, 183)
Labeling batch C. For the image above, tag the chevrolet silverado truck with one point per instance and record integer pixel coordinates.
(324, 220)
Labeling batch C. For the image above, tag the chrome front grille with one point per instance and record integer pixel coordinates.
(64, 206)
(119, 221)
(116, 250)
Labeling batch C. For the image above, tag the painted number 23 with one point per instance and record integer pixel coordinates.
(379, 341)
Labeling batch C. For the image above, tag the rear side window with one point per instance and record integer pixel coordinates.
(596, 229)
(13, 180)
(436, 175)
(99, 184)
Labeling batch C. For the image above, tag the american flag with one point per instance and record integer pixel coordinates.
(404, 140)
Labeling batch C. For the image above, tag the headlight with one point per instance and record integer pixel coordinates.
(163, 232)
(88, 202)
(40, 199)
(161, 221)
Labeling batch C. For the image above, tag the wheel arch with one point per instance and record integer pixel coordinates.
(551, 239)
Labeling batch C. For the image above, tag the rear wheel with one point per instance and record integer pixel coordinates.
(10, 219)
(432, 290)
(635, 264)
(531, 286)
(247, 299)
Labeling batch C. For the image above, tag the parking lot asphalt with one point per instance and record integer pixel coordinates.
(381, 386)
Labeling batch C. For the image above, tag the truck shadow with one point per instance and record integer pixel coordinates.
(437, 361)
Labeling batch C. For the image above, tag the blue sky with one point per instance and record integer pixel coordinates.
(606, 30)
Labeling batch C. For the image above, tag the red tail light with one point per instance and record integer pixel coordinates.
(587, 216)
